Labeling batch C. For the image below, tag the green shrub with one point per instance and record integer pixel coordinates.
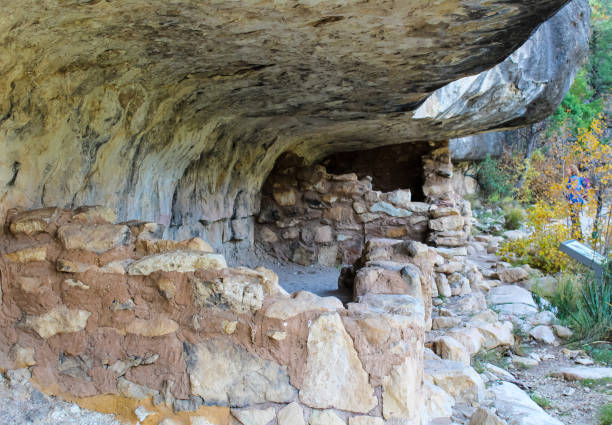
(541, 401)
(495, 182)
(605, 415)
(514, 218)
(593, 319)
(565, 297)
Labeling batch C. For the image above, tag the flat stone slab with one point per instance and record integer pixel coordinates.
(515, 406)
(580, 373)
(512, 299)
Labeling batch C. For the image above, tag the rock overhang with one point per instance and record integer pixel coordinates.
(177, 113)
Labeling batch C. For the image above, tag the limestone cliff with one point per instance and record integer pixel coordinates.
(177, 112)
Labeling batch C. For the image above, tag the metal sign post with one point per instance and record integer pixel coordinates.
(584, 255)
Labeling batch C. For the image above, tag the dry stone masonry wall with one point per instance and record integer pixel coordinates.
(310, 216)
(109, 315)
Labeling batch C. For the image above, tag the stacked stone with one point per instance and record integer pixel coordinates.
(312, 217)
(110, 312)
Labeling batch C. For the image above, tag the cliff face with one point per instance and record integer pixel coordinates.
(177, 112)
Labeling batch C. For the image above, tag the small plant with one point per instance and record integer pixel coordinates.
(605, 415)
(601, 354)
(494, 357)
(514, 218)
(593, 319)
(603, 385)
(541, 401)
(495, 182)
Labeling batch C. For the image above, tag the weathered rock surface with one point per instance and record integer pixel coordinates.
(176, 113)
(342, 384)
(181, 261)
(580, 373)
(59, 320)
(517, 408)
(459, 380)
(226, 374)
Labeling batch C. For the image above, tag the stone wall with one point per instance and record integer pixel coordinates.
(111, 316)
(310, 216)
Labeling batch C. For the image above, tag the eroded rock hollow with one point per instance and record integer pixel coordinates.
(176, 113)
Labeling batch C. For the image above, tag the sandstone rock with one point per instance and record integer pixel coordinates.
(516, 407)
(159, 246)
(542, 318)
(130, 389)
(469, 337)
(495, 334)
(438, 402)
(342, 384)
(359, 207)
(450, 349)
(267, 235)
(229, 327)
(562, 331)
(254, 416)
(266, 277)
(524, 361)
(166, 287)
(323, 234)
(469, 304)
(58, 321)
(445, 322)
(387, 208)
(451, 253)
(460, 381)
(97, 238)
(28, 255)
(286, 197)
(325, 417)
(499, 372)
(304, 256)
(512, 299)
(153, 327)
(291, 414)
(512, 274)
(400, 198)
(580, 373)
(437, 212)
(277, 335)
(450, 267)
(485, 417)
(96, 214)
(224, 373)
(365, 420)
(301, 302)
(32, 222)
(444, 288)
(22, 356)
(402, 305)
(230, 292)
(545, 286)
(71, 283)
(544, 334)
(67, 266)
(451, 222)
(388, 278)
(199, 420)
(180, 261)
(402, 391)
(327, 255)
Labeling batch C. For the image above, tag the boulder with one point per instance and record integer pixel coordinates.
(402, 391)
(484, 416)
(225, 374)
(580, 373)
(450, 349)
(512, 299)
(342, 384)
(543, 334)
(512, 274)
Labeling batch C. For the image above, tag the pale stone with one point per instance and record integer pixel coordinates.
(359, 207)
(451, 253)
(325, 417)
(286, 197)
(327, 255)
(495, 334)
(512, 299)
(562, 331)
(366, 420)
(142, 413)
(267, 235)
(114, 267)
(469, 304)
(499, 372)
(469, 337)
(147, 246)
(57, 321)
(28, 255)
(387, 208)
(71, 283)
(401, 305)
(451, 349)
(450, 267)
(442, 224)
(524, 361)
(229, 327)
(445, 322)
(277, 335)
(543, 333)
(301, 302)
(67, 266)
(32, 222)
(545, 286)
(517, 407)
(130, 389)
(224, 373)
(438, 211)
(156, 326)
(231, 292)
(460, 381)
(580, 373)
(542, 318)
(267, 278)
(400, 198)
(444, 288)
(402, 391)
(95, 214)
(254, 416)
(485, 417)
(199, 420)
(291, 414)
(511, 275)
(166, 287)
(342, 384)
(22, 356)
(323, 234)
(97, 238)
(438, 402)
(177, 261)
